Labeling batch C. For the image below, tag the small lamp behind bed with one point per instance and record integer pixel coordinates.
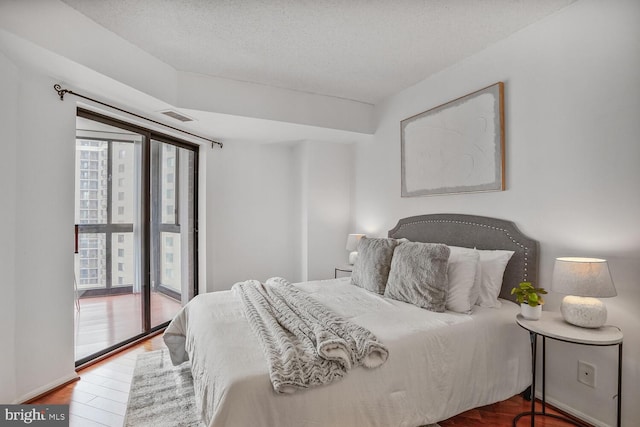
(584, 280)
(352, 246)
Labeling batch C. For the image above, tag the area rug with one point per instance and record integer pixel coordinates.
(162, 395)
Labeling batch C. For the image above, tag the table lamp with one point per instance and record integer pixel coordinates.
(583, 280)
(352, 246)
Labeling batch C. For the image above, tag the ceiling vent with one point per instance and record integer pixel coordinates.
(178, 116)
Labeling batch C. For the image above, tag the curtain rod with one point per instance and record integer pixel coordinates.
(63, 92)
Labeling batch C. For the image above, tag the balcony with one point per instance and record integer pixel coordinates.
(101, 322)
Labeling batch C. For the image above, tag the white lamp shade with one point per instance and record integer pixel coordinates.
(353, 240)
(585, 277)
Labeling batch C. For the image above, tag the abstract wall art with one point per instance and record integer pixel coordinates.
(457, 147)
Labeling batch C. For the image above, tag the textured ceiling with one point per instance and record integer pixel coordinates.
(363, 50)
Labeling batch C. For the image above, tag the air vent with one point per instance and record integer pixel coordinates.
(175, 115)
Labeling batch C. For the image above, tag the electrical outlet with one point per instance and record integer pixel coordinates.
(587, 373)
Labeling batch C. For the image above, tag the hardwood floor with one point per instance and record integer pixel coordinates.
(100, 397)
(105, 321)
(502, 414)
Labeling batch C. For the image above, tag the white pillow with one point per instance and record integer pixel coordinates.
(474, 293)
(477, 282)
(463, 263)
(492, 266)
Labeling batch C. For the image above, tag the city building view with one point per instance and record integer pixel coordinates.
(106, 197)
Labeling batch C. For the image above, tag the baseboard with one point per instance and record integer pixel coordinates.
(572, 411)
(47, 388)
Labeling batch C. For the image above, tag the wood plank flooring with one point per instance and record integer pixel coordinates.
(100, 397)
(105, 321)
(502, 414)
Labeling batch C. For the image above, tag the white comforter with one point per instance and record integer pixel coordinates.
(439, 365)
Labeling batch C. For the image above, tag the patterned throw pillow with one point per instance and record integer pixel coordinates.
(372, 266)
(418, 275)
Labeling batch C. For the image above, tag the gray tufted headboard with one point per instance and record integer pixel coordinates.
(477, 232)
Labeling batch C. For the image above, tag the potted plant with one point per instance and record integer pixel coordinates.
(530, 299)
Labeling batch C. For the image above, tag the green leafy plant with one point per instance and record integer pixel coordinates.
(528, 294)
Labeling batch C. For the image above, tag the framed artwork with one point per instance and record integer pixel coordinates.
(457, 147)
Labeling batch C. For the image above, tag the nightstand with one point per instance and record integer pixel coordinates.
(343, 269)
(552, 325)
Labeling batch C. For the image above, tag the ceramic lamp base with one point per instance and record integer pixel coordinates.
(585, 312)
(352, 257)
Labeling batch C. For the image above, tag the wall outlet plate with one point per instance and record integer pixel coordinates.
(586, 373)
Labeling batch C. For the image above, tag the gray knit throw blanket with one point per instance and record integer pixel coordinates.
(304, 342)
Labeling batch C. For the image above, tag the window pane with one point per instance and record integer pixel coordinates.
(170, 261)
(122, 201)
(122, 270)
(91, 272)
(91, 206)
(168, 155)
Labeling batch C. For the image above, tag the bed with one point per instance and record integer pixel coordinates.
(439, 364)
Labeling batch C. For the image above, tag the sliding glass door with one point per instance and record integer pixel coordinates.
(173, 205)
(136, 236)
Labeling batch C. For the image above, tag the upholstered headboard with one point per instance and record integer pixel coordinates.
(477, 232)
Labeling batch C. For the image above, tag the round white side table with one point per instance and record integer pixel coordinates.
(552, 325)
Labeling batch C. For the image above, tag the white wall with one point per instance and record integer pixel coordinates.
(43, 285)
(326, 181)
(276, 210)
(8, 142)
(572, 108)
(251, 201)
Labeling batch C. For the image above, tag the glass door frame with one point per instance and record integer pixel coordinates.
(146, 202)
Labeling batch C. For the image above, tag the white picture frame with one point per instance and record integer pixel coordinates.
(457, 147)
